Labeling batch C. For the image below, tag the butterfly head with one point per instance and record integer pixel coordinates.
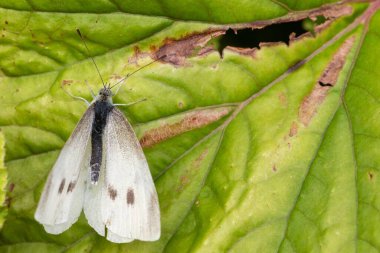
(105, 94)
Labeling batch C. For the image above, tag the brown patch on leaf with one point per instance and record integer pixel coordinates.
(11, 187)
(176, 51)
(293, 129)
(67, 82)
(370, 176)
(319, 28)
(331, 73)
(271, 44)
(185, 178)
(200, 158)
(331, 11)
(206, 50)
(183, 181)
(283, 99)
(116, 77)
(274, 168)
(137, 54)
(7, 202)
(327, 80)
(192, 120)
(243, 51)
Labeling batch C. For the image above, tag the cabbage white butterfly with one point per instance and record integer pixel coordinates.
(103, 170)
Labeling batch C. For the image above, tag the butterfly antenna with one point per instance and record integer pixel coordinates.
(88, 52)
(134, 72)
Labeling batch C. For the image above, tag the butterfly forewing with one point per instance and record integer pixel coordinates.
(129, 205)
(62, 198)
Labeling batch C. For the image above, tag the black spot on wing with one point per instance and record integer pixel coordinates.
(71, 186)
(130, 196)
(61, 186)
(112, 192)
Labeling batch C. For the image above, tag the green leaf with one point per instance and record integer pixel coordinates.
(264, 150)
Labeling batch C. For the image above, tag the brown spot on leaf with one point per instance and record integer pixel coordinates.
(112, 192)
(293, 129)
(71, 186)
(274, 168)
(370, 176)
(188, 173)
(6, 22)
(283, 99)
(67, 82)
(130, 196)
(199, 159)
(8, 201)
(190, 121)
(328, 78)
(116, 78)
(183, 181)
(61, 186)
(11, 187)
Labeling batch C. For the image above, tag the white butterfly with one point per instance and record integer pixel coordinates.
(103, 170)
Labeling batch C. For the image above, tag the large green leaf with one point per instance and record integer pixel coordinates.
(266, 150)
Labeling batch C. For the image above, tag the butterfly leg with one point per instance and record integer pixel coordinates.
(91, 90)
(132, 103)
(75, 97)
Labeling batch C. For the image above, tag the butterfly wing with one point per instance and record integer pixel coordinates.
(130, 208)
(62, 198)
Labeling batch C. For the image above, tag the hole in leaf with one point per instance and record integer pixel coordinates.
(325, 84)
(251, 38)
